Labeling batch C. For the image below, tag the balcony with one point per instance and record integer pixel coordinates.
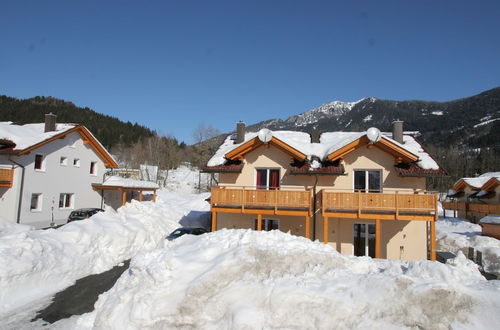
(383, 206)
(6, 177)
(256, 201)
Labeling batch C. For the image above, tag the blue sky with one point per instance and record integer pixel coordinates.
(171, 65)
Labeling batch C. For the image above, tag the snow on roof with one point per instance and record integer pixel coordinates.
(491, 219)
(116, 181)
(329, 142)
(479, 181)
(25, 136)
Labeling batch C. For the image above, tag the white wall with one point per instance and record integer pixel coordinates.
(54, 180)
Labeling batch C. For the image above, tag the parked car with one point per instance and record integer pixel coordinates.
(82, 214)
(186, 230)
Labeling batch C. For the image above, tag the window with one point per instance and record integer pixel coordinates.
(63, 161)
(93, 168)
(364, 239)
(39, 163)
(66, 201)
(268, 178)
(367, 181)
(36, 202)
(76, 162)
(267, 224)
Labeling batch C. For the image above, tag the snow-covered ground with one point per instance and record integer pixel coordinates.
(39, 263)
(238, 279)
(186, 180)
(243, 279)
(454, 234)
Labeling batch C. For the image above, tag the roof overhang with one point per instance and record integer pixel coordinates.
(239, 152)
(88, 139)
(383, 144)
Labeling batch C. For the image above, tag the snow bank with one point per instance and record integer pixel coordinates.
(454, 234)
(38, 263)
(9, 228)
(243, 279)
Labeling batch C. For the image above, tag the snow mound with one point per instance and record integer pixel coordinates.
(9, 228)
(243, 279)
(38, 263)
(454, 235)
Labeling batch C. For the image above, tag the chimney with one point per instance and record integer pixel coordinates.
(240, 132)
(315, 134)
(50, 122)
(397, 131)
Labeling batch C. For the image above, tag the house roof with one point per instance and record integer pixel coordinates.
(26, 138)
(485, 181)
(331, 147)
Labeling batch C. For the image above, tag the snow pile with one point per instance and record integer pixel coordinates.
(243, 279)
(9, 228)
(27, 135)
(455, 235)
(38, 263)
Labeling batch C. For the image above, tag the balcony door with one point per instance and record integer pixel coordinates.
(367, 181)
(364, 239)
(268, 178)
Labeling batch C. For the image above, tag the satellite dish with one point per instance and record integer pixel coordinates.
(265, 135)
(373, 134)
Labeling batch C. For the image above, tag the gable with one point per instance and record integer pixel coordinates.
(255, 143)
(400, 154)
(88, 139)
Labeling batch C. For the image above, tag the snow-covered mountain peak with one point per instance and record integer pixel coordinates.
(327, 110)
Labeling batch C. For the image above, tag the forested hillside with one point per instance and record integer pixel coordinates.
(109, 130)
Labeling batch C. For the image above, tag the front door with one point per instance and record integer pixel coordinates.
(364, 239)
(268, 178)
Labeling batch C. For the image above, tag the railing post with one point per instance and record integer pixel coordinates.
(397, 204)
(359, 203)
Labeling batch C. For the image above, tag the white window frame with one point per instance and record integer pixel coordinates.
(63, 161)
(42, 164)
(65, 198)
(268, 170)
(94, 167)
(39, 202)
(367, 247)
(266, 222)
(381, 180)
(76, 162)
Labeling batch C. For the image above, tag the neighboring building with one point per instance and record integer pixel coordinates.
(116, 191)
(474, 198)
(363, 193)
(47, 170)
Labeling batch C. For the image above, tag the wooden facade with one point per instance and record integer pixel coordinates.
(484, 209)
(6, 177)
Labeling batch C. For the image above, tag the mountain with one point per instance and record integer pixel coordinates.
(472, 122)
(110, 131)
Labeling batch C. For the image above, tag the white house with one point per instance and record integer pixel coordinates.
(47, 170)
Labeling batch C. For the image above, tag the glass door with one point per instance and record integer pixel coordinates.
(367, 181)
(268, 178)
(364, 239)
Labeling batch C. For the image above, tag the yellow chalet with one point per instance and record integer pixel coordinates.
(362, 192)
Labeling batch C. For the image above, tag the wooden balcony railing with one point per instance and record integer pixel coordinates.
(397, 205)
(6, 177)
(250, 198)
(486, 209)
